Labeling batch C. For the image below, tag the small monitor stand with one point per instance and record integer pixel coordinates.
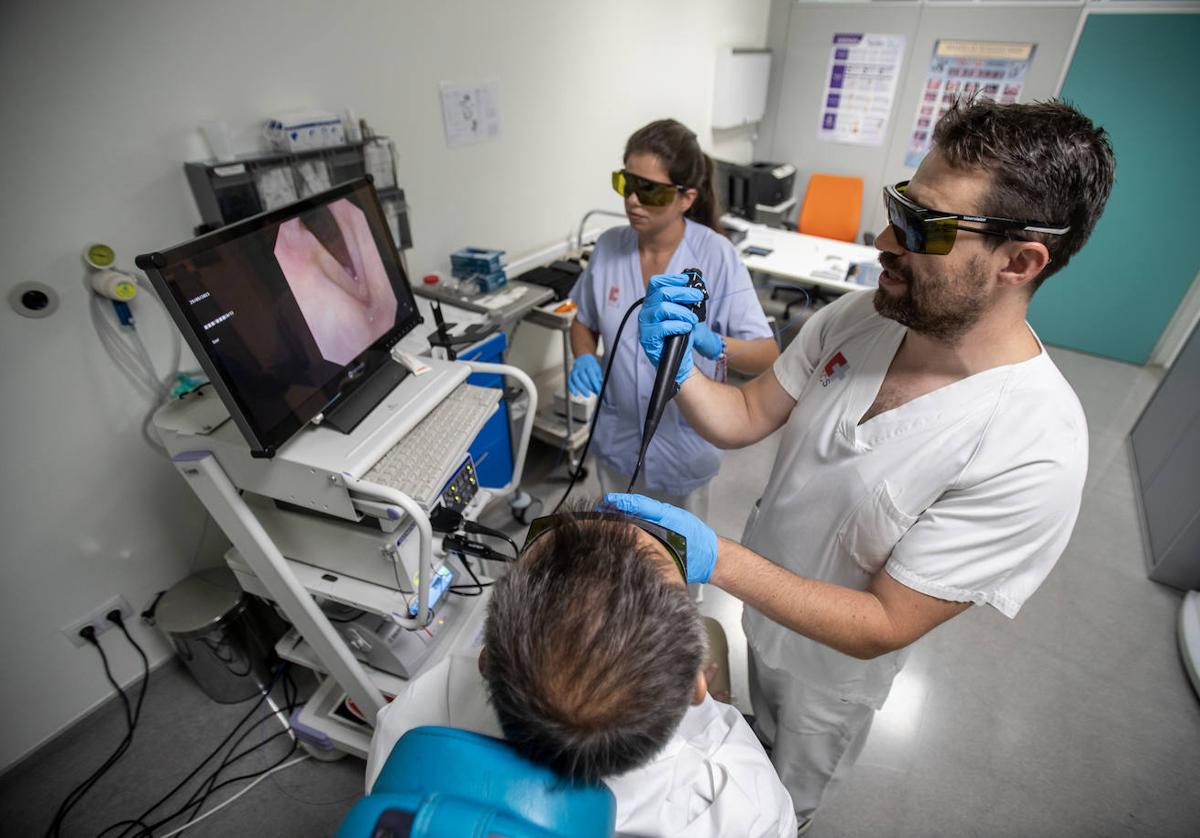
(346, 414)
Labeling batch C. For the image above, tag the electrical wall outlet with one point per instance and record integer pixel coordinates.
(98, 620)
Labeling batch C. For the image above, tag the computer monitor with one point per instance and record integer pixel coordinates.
(290, 311)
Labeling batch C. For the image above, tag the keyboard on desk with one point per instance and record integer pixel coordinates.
(420, 464)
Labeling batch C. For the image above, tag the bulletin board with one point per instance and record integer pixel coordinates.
(801, 34)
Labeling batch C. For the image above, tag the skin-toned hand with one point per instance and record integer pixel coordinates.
(337, 276)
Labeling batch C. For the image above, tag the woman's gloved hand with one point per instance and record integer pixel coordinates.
(707, 342)
(665, 313)
(701, 540)
(586, 377)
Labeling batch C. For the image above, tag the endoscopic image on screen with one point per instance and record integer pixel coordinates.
(336, 274)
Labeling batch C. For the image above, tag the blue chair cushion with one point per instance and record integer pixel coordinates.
(439, 781)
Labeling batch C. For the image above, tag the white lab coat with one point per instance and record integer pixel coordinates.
(712, 778)
(968, 494)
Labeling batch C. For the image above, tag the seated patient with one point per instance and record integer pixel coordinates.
(592, 665)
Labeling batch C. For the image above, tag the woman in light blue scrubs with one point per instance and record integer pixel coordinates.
(671, 203)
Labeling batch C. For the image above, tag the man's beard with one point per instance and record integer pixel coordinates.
(941, 307)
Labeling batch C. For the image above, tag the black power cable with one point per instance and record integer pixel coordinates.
(201, 795)
(132, 714)
(290, 703)
(140, 819)
(115, 617)
(612, 353)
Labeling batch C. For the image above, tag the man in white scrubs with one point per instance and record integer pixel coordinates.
(593, 665)
(932, 456)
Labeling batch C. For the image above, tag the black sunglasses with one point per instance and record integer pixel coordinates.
(924, 230)
(650, 193)
(674, 543)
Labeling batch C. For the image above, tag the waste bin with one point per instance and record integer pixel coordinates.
(216, 629)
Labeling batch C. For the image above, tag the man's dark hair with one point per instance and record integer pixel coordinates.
(1048, 163)
(590, 653)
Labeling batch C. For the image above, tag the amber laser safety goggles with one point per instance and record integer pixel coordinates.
(923, 230)
(649, 193)
(674, 543)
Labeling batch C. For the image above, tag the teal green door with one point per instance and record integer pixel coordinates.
(1139, 77)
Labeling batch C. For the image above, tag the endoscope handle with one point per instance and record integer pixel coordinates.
(665, 388)
(696, 280)
(673, 347)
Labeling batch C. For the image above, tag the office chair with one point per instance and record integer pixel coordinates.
(439, 781)
(832, 207)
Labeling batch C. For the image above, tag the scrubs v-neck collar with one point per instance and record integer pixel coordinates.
(943, 405)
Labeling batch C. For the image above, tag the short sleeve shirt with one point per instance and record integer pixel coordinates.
(968, 493)
(678, 460)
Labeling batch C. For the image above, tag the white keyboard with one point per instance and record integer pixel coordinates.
(421, 463)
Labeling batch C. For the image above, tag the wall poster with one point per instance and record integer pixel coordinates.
(470, 112)
(860, 87)
(966, 69)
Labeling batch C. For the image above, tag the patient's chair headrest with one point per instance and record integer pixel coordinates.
(439, 781)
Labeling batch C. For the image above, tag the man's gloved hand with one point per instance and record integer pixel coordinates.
(665, 313)
(586, 376)
(707, 342)
(701, 540)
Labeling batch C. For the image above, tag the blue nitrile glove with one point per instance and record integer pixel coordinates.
(707, 342)
(586, 376)
(664, 313)
(701, 540)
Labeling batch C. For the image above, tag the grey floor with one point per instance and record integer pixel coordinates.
(1076, 718)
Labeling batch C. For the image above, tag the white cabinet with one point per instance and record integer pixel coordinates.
(740, 88)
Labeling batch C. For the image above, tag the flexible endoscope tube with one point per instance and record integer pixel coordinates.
(612, 353)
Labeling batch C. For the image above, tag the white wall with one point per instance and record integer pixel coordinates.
(101, 101)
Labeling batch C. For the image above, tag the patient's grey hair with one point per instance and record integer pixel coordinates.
(591, 654)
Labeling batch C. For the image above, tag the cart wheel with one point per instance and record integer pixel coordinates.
(525, 507)
(331, 755)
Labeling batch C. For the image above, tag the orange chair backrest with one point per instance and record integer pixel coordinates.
(832, 207)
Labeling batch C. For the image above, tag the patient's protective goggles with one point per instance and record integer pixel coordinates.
(674, 543)
(923, 230)
(649, 193)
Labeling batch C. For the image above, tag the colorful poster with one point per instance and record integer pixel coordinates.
(967, 70)
(860, 87)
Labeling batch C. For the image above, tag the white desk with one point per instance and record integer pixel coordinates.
(810, 260)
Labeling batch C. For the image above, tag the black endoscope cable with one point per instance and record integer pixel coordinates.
(451, 521)
(612, 354)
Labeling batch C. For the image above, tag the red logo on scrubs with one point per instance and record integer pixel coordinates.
(838, 367)
(614, 294)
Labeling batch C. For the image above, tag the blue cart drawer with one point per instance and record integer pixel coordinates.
(492, 448)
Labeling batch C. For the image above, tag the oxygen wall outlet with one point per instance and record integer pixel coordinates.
(98, 619)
